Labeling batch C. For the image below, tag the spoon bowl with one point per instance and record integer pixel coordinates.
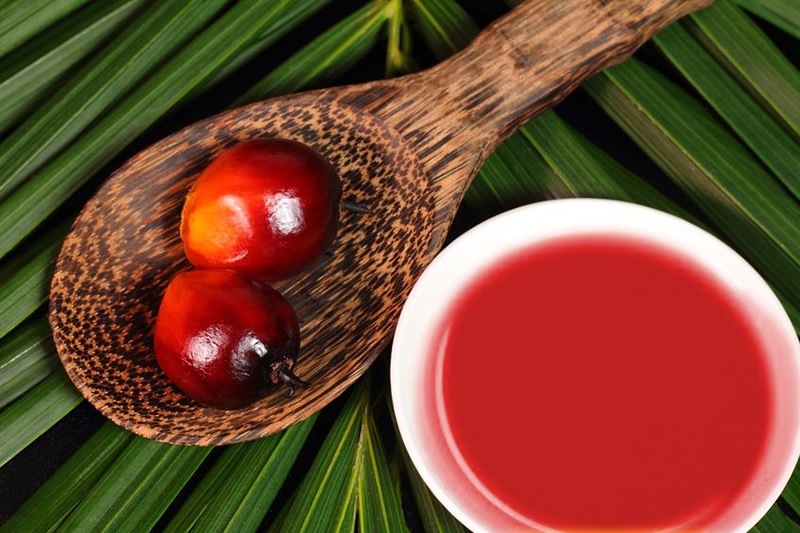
(405, 148)
(124, 249)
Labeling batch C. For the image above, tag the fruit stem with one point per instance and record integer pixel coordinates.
(291, 381)
(354, 207)
(282, 372)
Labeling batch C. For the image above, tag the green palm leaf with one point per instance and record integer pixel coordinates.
(327, 57)
(56, 499)
(190, 68)
(752, 58)
(378, 497)
(714, 108)
(784, 14)
(327, 497)
(136, 487)
(26, 278)
(28, 356)
(34, 413)
(30, 73)
(774, 146)
(21, 20)
(238, 489)
(350, 478)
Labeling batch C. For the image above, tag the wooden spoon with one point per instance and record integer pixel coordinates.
(406, 148)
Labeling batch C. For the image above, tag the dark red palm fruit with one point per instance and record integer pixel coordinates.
(268, 208)
(223, 337)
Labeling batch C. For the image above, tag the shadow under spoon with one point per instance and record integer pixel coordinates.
(406, 148)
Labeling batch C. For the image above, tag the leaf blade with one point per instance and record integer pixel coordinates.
(136, 488)
(379, 507)
(326, 497)
(237, 491)
(19, 21)
(30, 73)
(784, 14)
(326, 57)
(769, 140)
(27, 278)
(27, 356)
(35, 412)
(55, 499)
(752, 58)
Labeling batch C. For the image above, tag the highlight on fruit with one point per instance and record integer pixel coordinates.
(223, 337)
(268, 208)
(262, 211)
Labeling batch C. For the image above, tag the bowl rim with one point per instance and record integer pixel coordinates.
(412, 377)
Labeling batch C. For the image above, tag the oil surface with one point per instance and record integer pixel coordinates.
(603, 384)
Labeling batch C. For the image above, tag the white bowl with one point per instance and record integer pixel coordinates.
(414, 375)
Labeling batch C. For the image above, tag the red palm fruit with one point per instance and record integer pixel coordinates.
(223, 337)
(268, 208)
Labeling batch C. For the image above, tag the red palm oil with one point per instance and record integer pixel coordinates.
(604, 384)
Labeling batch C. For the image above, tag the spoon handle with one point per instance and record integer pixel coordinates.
(543, 50)
(519, 66)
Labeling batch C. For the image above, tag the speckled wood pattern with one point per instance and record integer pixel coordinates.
(125, 247)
